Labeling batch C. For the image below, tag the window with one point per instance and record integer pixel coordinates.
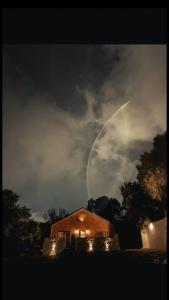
(99, 234)
(82, 233)
(60, 234)
(102, 234)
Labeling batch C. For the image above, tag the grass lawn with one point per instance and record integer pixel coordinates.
(138, 273)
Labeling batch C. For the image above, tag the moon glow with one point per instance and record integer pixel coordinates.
(104, 152)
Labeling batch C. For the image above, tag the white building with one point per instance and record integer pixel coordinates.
(154, 235)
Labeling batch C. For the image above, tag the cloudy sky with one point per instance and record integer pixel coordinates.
(64, 137)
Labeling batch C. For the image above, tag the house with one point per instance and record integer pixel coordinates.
(81, 224)
(84, 229)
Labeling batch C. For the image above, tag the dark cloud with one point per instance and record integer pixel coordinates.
(56, 99)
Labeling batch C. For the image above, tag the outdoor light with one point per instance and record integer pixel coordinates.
(81, 217)
(53, 249)
(90, 244)
(151, 226)
(107, 244)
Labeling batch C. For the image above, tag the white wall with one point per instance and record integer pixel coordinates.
(155, 237)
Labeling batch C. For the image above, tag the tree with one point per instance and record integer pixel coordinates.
(18, 229)
(91, 205)
(63, 213)
(105, 207)
(13, 214)
(52, 216)
(152, 170)
(111, 212)
(138, 203)
(101, 203)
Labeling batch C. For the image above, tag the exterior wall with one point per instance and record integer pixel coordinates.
(145, 240)
(89, 222)
(155, 237)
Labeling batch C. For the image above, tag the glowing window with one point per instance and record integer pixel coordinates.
(81, 217)
(60, 234)
(82, 234)
(77, 233)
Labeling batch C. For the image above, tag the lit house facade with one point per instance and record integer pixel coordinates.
(82, 224)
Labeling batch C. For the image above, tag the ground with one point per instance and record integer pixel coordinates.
(142, 274)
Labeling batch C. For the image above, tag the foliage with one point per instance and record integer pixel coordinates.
(19, 231)
(52, 216)
(138, 203)
(91, 205)
(105, 207)
(152, 170)
(146, 197)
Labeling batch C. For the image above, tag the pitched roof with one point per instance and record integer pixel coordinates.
(78, 210)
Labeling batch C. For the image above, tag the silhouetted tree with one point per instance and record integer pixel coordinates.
(152, 170)
(111, 212)
(139, 205)
(91, 205)
(101, 203)
(18, 229)
(105, 207)
(63, 213)
(52, 215)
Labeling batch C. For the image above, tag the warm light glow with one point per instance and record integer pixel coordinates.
(107, 244)
(90, 244)
(87, 231)
(53, 249)
(82, 234)
(151, 226)
(81, 217)
(76, 231)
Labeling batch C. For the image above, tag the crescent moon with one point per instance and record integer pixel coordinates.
(95, 141)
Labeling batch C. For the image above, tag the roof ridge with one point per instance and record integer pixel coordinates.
(92, 213)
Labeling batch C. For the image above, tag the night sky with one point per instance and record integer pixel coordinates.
(56, 99)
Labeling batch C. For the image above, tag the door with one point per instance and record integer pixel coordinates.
(67, 238)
